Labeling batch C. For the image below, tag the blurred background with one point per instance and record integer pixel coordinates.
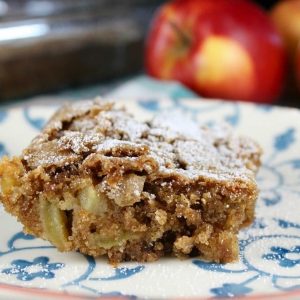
(48, 46)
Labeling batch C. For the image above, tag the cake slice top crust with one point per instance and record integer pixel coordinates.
(169, 146)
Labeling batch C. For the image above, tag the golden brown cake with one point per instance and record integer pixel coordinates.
(98, 181)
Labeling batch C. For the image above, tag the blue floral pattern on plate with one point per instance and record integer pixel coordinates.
(280, 255)
(269, 249)
(38, 268)
(3, 150)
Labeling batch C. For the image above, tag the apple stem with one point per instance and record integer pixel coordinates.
(183, 36)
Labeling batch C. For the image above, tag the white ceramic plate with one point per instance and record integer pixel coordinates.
(269, 250)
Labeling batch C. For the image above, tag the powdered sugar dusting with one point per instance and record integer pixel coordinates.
(110, 144)
(179, 146)
(176, 124)
(78, 141)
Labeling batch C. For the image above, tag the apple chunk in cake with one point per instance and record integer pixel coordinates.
(98, 181)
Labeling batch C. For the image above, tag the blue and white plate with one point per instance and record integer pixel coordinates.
(269, 250)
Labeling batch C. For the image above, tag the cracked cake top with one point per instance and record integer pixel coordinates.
(173, 145)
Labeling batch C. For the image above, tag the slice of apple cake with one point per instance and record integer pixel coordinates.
(98, 181)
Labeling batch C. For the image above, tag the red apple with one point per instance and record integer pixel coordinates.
(223, 48)
(298, 65)
(286, 17)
